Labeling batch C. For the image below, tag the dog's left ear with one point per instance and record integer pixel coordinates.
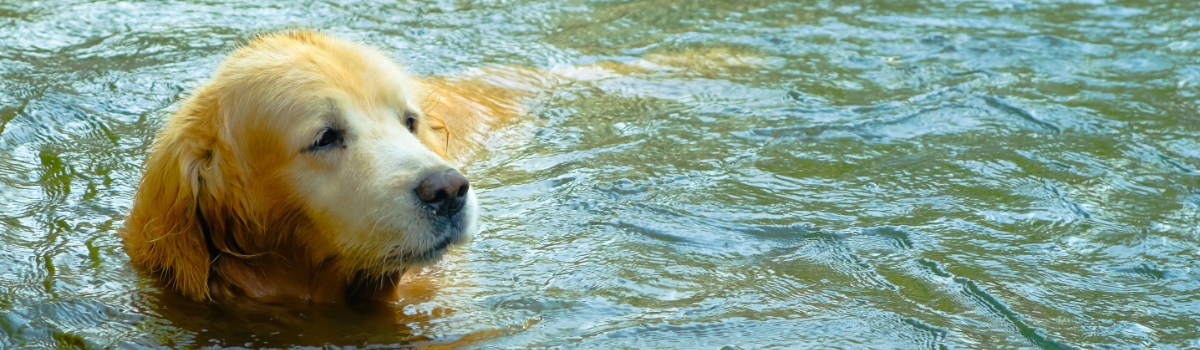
(165, 231)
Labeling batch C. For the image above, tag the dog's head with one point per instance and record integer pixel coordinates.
(305, 141)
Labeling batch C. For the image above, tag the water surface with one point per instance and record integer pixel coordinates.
(694, 174)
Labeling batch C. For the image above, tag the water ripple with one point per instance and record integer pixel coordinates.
(863, 174)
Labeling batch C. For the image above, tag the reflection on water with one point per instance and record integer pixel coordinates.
(889, 174)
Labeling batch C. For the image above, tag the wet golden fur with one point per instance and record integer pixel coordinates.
(235, 203)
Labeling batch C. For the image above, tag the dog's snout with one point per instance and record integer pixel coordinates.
(444, 191)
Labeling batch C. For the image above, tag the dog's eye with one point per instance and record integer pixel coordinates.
(328, 138)
(410, 121)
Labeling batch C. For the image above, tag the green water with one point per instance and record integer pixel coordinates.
(695, 174)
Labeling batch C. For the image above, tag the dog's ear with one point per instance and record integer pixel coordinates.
(436, 137)
(455, 111)
(165, 232)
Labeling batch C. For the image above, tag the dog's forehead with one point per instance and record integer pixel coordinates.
(347, 68)
(374, 83)
(296, 89)
(337, 87)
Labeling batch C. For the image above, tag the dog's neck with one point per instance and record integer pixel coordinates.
(287, 273)
(289, 278)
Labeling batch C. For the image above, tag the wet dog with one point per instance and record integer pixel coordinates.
(308, 168)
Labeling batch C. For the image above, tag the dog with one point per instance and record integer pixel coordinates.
(309, 168)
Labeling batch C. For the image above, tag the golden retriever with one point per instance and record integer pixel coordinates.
(309, 168)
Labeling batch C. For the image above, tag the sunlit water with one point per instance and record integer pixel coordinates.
(694, 174)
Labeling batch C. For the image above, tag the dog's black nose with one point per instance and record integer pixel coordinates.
(444, 191)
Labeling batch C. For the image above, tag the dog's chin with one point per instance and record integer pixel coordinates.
(430, 256)
(445, 233)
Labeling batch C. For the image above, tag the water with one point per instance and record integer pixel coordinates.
(693, 174)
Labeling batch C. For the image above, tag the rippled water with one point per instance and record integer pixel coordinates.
(695, 173)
